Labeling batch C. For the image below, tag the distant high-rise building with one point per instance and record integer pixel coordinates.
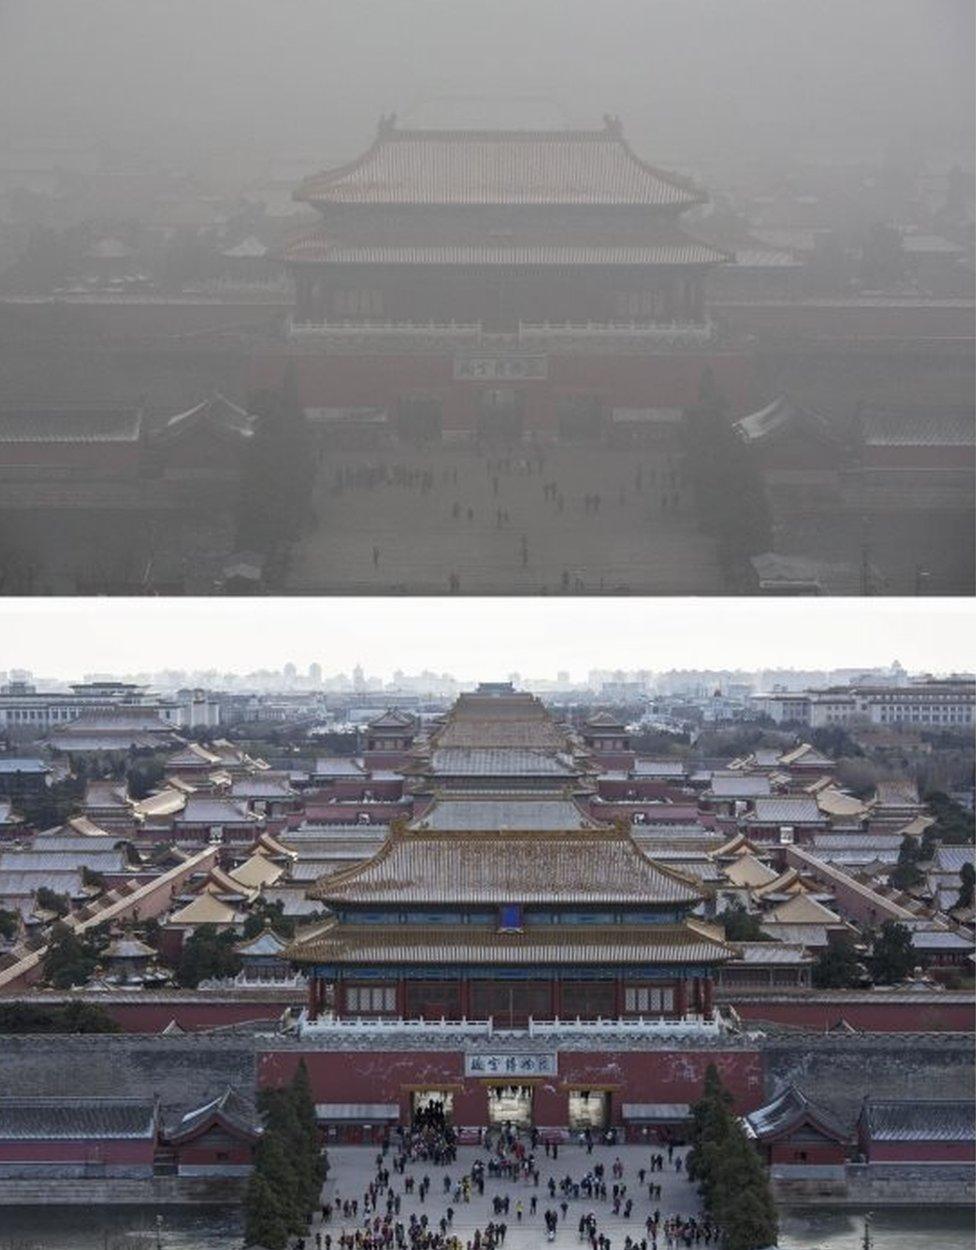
(315, 674)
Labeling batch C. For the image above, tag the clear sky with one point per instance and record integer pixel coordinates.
(482, 638)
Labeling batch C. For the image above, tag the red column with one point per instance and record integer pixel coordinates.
(707, 1005)
(312, 1007)
(680, 1003)
(401, 998)
(697, 994)
(557, 998)
(618, 997)
(464, 997)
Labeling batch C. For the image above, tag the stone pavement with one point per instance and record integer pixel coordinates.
(353, 1167)
(630, 543)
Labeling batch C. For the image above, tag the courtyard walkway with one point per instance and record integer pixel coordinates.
(586, 519)
(352, 1168)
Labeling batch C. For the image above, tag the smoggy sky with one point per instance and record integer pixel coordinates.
(689, 77)
(483, 638)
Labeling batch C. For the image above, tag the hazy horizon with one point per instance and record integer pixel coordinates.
(185, 77)
(482, 639)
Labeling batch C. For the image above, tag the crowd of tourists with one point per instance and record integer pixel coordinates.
(587, 1202)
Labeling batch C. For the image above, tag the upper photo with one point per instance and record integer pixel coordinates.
(562, 297)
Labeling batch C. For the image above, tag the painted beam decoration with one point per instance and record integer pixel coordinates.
(510, 1065)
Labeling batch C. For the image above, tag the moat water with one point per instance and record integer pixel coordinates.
(218, 1228)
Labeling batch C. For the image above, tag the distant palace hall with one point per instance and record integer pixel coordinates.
(491, 282)
(503, 900)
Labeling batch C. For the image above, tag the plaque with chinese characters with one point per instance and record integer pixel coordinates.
(504, 368)
(510, 1065)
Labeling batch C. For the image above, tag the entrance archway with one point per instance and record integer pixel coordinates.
(432, 1107)
(501, 414)
(589, 1108)
(510, 1104)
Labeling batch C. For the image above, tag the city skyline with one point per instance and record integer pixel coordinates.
(529, 636)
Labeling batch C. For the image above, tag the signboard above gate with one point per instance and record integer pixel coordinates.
(510, 1065)
(508, 367)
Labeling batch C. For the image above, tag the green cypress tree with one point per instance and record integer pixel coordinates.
(263, 1221)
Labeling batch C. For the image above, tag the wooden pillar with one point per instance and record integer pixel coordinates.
(556, 998)
(464, 998)
(707, 998)
(680, 1003)
(697, 994)
(401, 998)
(313, 994)
(618, 997)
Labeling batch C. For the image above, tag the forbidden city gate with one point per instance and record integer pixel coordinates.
(510, 1104)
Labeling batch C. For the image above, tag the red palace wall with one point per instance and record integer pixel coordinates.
(789, 1152)
(58, 1151)
(630, 1076)
(921, 1152)
(664, 381)
(872, 1017)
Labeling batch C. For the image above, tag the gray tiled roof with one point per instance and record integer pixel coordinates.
(918, 427)
(788, 1110)
(788, 811)
(202, 810)
(32, 1119)
(497, 762)
(321, 246)
(110, 860)
(21, 764)
(69, 425)
(952, 858)
(739, 787)
(406, 166)
(920, 1120)
(460, 814)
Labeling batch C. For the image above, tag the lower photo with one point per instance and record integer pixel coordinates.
(477, 924)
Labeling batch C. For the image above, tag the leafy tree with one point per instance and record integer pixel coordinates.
(278, 472)
(835, 741)
(91, 878)
(79, 1017)
(54, 804)
(729, 491)
(207, 953)
(838, 966)
(143, 775)
(967, 875)
(954, 826)
(906, 874)
(265, 915)
(893, 956)
(70, 959)
(9, 923)
(47, 899)
(741, 925)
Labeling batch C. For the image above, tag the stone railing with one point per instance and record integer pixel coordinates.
(613, 335)
(386, 335)
(348, 1026)
(657, 1026)
(651, 1026)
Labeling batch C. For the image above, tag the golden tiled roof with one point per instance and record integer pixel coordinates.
(511, 866)
(653, 944)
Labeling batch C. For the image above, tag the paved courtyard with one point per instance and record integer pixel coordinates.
(392, 536)
(353, 1167)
